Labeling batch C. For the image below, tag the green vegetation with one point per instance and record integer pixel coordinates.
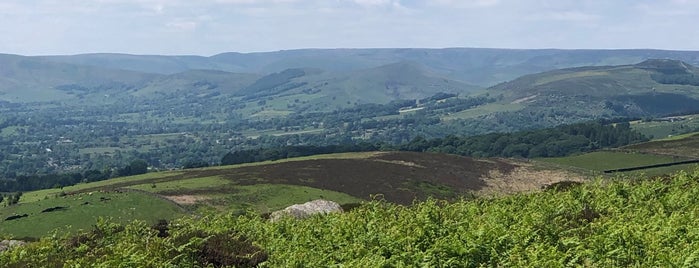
(80, 212)
(681, 146)
(667, 127)
(181, 185)
(605, 160)
(597, 162)
(619, 223)
(265, 198)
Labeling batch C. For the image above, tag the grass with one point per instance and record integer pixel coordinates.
(686, 145)
(604, 160)
(666, 129)
(358, 155)
(273, 132)
(261, 187)
(552, 78)
(271, 113)
(99, 150)
(82, 212)
(660, 171)
(484, 110)
(679, 137)
(265, 198)
(43, 194)
(182, 185)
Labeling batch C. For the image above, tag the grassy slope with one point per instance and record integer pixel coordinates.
(667, 129)
(82, 211)
(622, 223)
(594, 92)
(604, 160)
(268, 186)
(683, 146)
(667, 150)
(596, 162)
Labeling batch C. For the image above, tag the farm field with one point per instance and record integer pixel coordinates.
(484, 110)
(668, 128)
(605, 160)
(594, 163)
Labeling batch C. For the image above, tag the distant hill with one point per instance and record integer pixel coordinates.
(26, 79)
(653, 87)
(478, 66)
(198, 82)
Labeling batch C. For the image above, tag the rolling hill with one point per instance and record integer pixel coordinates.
(478, 66)
(396, 177)
(30, 79)
(655, 87)
(686, 146)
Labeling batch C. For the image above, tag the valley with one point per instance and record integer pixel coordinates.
(103, 145)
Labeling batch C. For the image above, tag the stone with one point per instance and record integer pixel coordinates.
(305, 210)
(7, 244)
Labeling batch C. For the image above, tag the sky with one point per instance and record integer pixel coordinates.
(208, 27)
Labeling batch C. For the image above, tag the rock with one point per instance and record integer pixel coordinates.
(300, 211)
(7, 244)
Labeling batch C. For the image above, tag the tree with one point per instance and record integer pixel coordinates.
(136, 167)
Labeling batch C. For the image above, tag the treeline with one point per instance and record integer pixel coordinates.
(676, 79)
(550, 142)
(45, 181)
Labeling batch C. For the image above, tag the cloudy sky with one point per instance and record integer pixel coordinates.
(207, 27)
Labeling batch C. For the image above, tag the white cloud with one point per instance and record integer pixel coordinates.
(214, 26)
(465, 3)
(568, 15)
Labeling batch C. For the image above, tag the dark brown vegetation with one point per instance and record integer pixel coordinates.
(683, 148)
(399, 177)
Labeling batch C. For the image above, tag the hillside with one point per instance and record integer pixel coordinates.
(478, 66)
(649, 88)
(618, 223)
(681, 146)
(397, 177)
(29, 79)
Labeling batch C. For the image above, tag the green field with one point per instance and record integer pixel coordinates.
(82, 212)
(131, 180)
(150, 196)
(686, 145)
(604, 160)
(596, 162)
(484, 110)
(667, 129)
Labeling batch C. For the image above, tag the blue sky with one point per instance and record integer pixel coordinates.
(207, 27)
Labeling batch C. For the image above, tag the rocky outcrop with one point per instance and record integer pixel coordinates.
(7, 244)
(300, 211)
